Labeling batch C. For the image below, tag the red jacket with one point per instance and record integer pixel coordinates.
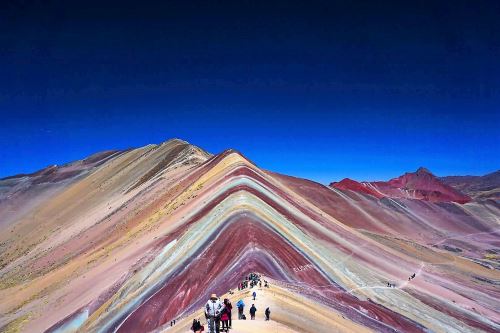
(224, 316)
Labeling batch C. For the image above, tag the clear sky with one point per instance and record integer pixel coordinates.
(318, 89)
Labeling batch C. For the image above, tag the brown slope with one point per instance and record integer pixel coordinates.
(478, 187)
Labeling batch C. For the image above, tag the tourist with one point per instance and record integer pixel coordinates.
(268, 313)
(224, 318)
(241, 306)
(254, 294)
(229, 308)
(213, 310)
(196, 327)
(253, 309)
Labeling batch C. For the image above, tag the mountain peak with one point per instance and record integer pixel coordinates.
(352, 185)
(175, 140)
(423, 170)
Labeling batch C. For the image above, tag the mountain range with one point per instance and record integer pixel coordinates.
(129, 240)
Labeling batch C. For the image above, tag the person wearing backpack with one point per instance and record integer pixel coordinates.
(241, 306)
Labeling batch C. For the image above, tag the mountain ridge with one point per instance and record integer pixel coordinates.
(420, 185)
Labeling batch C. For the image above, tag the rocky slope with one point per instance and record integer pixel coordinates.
(478, 187)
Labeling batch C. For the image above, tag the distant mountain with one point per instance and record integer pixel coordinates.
(349, 184)
(421, 184)
(478, 187)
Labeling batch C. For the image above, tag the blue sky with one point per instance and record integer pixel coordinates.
(322, 90)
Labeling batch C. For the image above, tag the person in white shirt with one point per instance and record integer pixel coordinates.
(213, 310)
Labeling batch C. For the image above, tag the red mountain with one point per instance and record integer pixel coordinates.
(422, 185)
(349, 184)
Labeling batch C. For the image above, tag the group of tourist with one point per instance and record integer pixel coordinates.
(252, 280)
(217, 312)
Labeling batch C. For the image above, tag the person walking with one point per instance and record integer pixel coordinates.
(254, 294)
(213, 310)
(253, 309)
(268, 313)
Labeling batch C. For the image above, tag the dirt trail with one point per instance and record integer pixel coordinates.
(288, 314)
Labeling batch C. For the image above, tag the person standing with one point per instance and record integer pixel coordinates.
(224, 318)
(229, 308)
(241, 306)
(253, 309)
(196, 327)
(268, 313)
(254, 294)
(213, 310)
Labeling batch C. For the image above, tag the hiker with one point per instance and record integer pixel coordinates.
(241, 306)
(253, 309)
(265, 284)
(260, 284)
(229, 308)
(268, 313)
(254, 294)
(213, 310)
(196, 327)
(224, 317)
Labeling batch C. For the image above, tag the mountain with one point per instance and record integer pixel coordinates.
(422, 185)
(352, 185)
(127, 241)
(478, 187)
